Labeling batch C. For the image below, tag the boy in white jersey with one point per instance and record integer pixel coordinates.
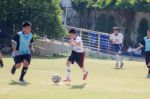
(117, 44)
(77, 55)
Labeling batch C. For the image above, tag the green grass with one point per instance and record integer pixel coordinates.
(104, 82)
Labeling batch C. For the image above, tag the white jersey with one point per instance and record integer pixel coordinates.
(79, 49)
(117, 39)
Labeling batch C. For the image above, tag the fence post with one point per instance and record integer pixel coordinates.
(62, 48)
(80, 33)
(98, 43)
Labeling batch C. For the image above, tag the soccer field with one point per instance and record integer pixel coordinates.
(104, 82)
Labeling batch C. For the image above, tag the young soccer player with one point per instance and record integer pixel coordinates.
(1, 61)
(77, 55)
(117, 44)
(145, 43)
(22, 43)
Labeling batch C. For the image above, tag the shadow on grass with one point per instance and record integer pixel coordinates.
(78, 86)
(19, 83)
(118, 68)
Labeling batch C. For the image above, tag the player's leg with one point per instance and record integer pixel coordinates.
(18, 61)
(148, 66)
(1, 61)
(80, 61)
(26, 63)
(115, 50)
(68, 71)
(70, 61)
(148, 63)
(119, 59)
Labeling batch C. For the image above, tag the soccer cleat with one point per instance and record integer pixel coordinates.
(13, 70)
(67, 79)
(121, 66)
(1, 64)
(22, 80)
(148, 76)
(85, 75)
(116, 66)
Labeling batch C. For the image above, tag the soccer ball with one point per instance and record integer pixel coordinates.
(56, 78)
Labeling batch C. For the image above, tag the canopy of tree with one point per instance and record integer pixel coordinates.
(45, 15)
(134, 5)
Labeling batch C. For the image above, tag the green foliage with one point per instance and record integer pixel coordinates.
(45, 15)
(101, 23)
(136, 5)
(142, 30)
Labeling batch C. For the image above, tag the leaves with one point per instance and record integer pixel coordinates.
(134, 5)
(45, 15)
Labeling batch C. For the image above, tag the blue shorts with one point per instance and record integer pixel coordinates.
(117, 48)
(20, 58)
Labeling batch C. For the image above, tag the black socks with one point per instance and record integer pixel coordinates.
(23, 72)
(1, 63)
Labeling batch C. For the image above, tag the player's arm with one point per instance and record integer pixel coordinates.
(14, 42)
(31, 46)
(122, 40)
(1, 55)
(141, 45)
(111, 39)
(76, 43)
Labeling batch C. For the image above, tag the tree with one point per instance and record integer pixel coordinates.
(142, 30)
(45, 15)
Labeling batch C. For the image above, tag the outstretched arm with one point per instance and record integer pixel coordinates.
(139, 47)
(14, 45)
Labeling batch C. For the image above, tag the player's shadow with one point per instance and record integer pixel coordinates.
(118, 68)
(78, 86)
(19, 83)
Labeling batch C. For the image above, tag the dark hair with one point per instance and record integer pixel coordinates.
(149, 30)
(27, 23)
(72, 31)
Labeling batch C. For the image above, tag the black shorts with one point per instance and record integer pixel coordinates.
(117, 48)
(147, 57)
(20, 58)
(78, 58)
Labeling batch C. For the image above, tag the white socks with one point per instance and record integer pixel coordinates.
(119, 59)
(68, 72)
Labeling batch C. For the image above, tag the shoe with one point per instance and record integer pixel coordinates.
(85, 75)
(22, 80)
(148, 75)
(116, 66)
(121, 66)
(13, 70)
(67, 79)
(1, 65)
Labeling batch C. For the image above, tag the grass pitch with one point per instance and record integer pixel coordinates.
(104, 82)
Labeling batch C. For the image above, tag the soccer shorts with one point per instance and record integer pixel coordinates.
(20, 58)
(147, 57)
(78, 58)
(117, 48)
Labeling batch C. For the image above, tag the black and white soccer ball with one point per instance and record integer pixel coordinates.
(56, 78)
